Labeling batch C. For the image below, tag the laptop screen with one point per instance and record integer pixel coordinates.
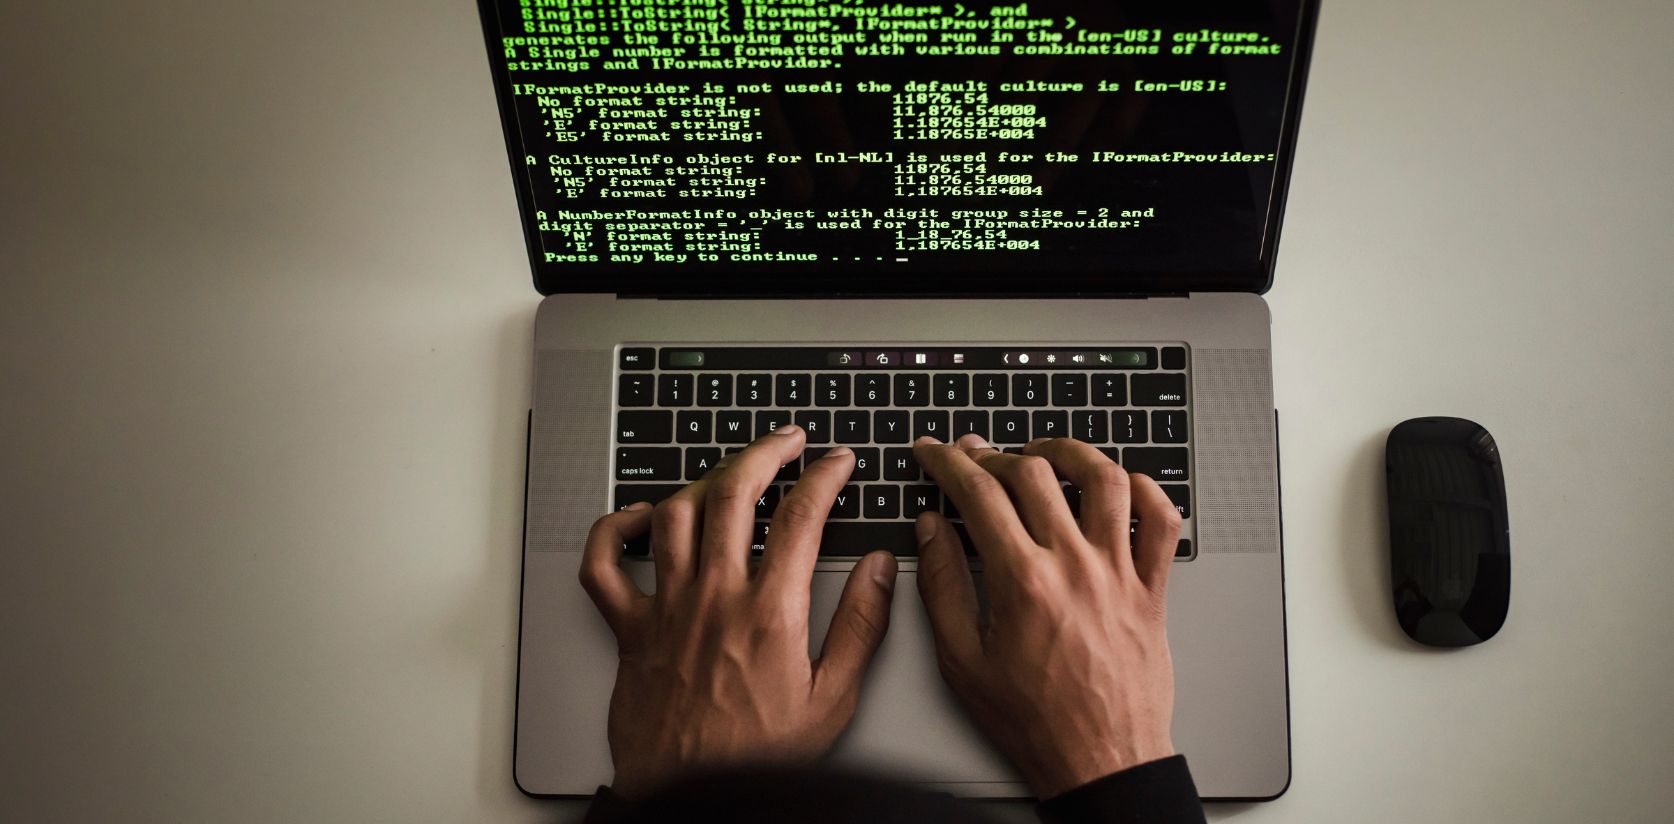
(859, 146)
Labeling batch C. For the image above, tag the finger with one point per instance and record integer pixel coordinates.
(612, 591)
(949, 594)
(793, 538)
(1159, 533)
(674, 534)
(729, 508)
(1038, 495)
(1103, 485)
(989, 516)
(857, 628)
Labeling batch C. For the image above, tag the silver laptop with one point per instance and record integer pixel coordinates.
(884, 220)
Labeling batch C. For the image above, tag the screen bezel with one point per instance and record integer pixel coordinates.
(551, 278)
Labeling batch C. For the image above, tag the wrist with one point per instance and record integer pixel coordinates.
(1051, 780)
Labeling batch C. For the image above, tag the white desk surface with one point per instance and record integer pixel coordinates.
(264, 359)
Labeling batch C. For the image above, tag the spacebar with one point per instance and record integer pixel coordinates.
(852, 539)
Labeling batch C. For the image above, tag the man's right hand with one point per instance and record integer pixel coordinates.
(1071, 677)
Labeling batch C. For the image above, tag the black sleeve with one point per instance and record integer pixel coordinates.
(607, 808)
(1157, 791)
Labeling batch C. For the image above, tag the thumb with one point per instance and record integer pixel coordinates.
(857, 628)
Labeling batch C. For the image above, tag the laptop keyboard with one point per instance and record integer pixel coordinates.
(680, 408)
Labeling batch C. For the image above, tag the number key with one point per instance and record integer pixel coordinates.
(714, 390)
(791, 390)
(989, 390)
(674, 390)
(755, 390)
(912, 390)
(871, 390)
(1028, 390)
(831, 390)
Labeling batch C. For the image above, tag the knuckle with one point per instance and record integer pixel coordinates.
(979, 485)
(674, 513)
(869, 623)
(730, 490)
(799, 510)
(1107, 473)
(1034, 468)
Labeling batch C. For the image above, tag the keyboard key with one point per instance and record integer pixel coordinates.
(949, 511)
(919, 498)
(1028, 390)
(865, 464)
(701, 459)
(891, 426)
(714, 390)
(1127, 426)
(989, 390)
(854, 427)
(769, 422)
(674, 390)
(931, 423)
(1069, 390)
(793, 390)
(650, 493)
(1164, 389)
(768, 502)
(853, 539)
(813, 453)
(1072, 497)
(912, 390)
(695, 426)
(788, 473)
(1011, 426)
(816, 424)
(1181, 495)
(638, 358)
(899, 464)
(755, 390)
(882, 501)
(1168, 427)
(1114, 454)
(1174, 357)
(847, 503)
(732, 426)
(952, 390)
(871, 390)
(1110, 389)
(648, 463)
(1092, 426)
(1051, 423)
(1161, 463)
(648, 426)
(635, 390)
(1183, 549)
(831, 390)
(965, 423)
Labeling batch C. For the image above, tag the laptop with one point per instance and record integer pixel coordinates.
(885, 220)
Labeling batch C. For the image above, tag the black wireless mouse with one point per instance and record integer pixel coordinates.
(1449, 540)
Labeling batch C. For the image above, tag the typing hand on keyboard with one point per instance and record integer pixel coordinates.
(1071, 676)
(714, 668)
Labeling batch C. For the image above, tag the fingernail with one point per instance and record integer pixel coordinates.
(926, 439)
(638, 505)
(838, 452)
(883, 573)
(925, 529)
(788, 429)
(971, 440)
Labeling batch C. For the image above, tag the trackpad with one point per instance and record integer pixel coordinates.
(908, 723)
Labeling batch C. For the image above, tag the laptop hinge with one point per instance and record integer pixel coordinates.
(900, 296)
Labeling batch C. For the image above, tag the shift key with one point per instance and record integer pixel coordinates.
(648, 463)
